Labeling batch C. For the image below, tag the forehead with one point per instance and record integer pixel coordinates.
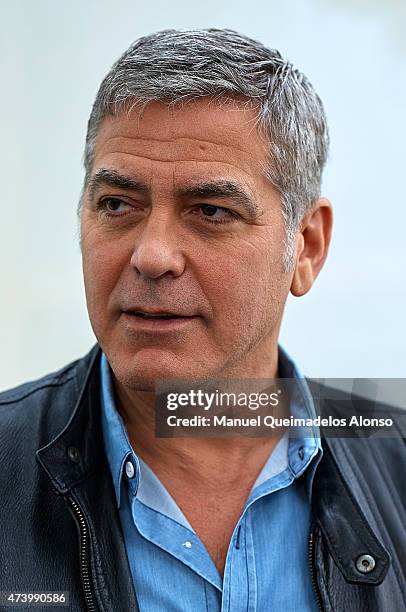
(200, 138)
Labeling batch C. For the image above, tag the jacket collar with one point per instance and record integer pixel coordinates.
(76, 464)
(73, 454)
(342, 522)
(77, 453)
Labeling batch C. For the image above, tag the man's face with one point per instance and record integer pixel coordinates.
(178, 218)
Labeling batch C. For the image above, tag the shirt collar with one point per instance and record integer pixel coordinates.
(116, 442)
(304, 445)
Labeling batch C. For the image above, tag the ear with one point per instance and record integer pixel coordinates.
(313, 240)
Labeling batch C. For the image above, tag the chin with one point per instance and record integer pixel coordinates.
(141, 371)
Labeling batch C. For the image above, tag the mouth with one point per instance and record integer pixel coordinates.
(157, 316)
(159, 322)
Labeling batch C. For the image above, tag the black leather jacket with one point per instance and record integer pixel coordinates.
(60, 529)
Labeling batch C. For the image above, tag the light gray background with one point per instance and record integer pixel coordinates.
(53, 57)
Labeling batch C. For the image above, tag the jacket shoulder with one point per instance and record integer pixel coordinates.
(37, 410)
(28, 389)
(60, 377)
(338, 403)
(374, 457)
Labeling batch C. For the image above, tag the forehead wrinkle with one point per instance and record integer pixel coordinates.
(179, 139)
(128, 171)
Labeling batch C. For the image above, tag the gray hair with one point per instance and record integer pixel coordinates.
(175, 66)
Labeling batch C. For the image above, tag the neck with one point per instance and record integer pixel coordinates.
(197, 460)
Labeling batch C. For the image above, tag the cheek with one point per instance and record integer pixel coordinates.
(244, 281)
(103, 263)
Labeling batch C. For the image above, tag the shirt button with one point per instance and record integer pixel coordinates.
(301, 453)
(187, 544)
(129, 469)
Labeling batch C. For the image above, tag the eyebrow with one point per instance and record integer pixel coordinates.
(206, 190)
(112, 178)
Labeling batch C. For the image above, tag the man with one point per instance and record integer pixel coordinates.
(200, 212)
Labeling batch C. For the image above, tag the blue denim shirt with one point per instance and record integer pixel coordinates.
(267, 560)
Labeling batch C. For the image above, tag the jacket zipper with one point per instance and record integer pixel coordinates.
(313, 577)
(84, 555)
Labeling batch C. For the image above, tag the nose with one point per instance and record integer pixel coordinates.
(157, 251)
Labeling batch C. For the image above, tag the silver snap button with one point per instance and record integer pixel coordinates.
(187, 544)
(365, 564)
(129, 469)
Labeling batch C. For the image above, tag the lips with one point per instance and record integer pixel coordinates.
(143, 314)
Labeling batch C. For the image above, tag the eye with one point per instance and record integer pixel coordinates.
(113, 206)
(217, 214)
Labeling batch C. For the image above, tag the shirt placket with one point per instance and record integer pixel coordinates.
(236, 572)
(251, 565)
